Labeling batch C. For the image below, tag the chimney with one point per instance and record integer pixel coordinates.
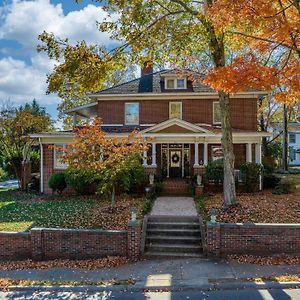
(147, 68)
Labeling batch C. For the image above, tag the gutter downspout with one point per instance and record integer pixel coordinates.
(41, 168)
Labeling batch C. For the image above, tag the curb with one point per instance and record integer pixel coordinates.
(137, 288)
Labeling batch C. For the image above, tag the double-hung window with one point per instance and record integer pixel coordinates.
(58, 163)
(175, 110)
(132, 112)
(292, 138)
(216, 113)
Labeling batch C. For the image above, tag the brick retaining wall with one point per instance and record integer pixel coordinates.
(52, 243)
(15, 245)
(259, 239)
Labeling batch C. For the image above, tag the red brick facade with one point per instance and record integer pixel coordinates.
(259, 239)
(243, 112)
(45, 243)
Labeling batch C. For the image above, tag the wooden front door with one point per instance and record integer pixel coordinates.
(175, 163)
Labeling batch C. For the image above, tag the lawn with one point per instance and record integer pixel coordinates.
(263, 207)
(21, 211)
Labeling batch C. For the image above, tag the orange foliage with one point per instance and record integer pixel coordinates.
(271, 29)
(243, 74)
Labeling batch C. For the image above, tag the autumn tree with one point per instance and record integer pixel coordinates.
(105, 160)
(16, 125)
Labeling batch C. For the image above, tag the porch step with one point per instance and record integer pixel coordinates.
(157, 254)
(173, 236)
(178, 187)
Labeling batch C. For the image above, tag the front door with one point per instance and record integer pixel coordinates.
(175, 163)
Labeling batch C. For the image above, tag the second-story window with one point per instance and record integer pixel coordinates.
(216, 113)
(175, 83)
(132, 113)
(175, 110)
(292, 138)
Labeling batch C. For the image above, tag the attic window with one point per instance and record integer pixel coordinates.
(173, 83)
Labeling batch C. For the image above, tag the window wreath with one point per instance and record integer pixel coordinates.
(175, 158)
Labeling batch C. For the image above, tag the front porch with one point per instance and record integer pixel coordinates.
(179, 149)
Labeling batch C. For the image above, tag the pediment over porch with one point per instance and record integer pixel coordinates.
(176, 126)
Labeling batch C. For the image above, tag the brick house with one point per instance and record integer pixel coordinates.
(178, 112)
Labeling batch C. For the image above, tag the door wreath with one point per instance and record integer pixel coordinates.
(175, 158)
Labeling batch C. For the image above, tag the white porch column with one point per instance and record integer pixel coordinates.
(145, 159)
(249, 152)
(196, 164)
(153, 154)
(258, 153)
(258, 161)
(205, 154)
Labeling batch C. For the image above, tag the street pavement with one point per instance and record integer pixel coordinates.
(10, 184)
(243, 294)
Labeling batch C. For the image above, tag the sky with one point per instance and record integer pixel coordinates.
(23, 70)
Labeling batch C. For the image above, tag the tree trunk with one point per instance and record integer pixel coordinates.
(227, 146)
(285, 140)
(113, 196)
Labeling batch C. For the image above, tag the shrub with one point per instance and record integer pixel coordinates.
(3, 175)
(251, 172)
(80, 182)
(286, 185)
(214, 171)
(270, 180)
(57, 182)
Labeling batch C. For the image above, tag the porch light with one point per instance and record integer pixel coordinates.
(133, 211)
(213, 215)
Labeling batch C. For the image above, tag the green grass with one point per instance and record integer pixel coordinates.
(17, 214)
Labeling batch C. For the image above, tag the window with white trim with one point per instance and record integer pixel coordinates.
(173, 83)
(216, 113)
(132, 112)
(292, 138)
(175, 110)
(57, 157)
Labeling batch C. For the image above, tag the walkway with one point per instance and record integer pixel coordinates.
(174, 206)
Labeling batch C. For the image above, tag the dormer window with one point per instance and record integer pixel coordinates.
(174, 83)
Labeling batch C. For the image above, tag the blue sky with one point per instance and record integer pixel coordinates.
(23, 70)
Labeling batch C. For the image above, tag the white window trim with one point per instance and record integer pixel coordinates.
(128, 103)
(175, 83)
(55, 166)
(173, 102)
(214, 121)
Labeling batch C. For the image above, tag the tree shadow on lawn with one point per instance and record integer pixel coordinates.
(22, 215)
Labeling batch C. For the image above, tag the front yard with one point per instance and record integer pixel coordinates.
(21, 211)
(264, 207)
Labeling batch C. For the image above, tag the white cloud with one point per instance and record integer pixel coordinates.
(23, 21)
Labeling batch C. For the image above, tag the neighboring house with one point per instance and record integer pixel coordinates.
(293, 141)
(178, 112)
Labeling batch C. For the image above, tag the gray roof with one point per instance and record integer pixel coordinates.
(154, 83)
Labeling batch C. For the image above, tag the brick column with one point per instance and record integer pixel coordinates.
(213, 239)
(37, 247)
(134, 240)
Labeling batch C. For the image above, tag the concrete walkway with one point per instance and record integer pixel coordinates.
(192, 272)
(174, 206)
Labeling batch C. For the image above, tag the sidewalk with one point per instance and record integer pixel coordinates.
(170, 274)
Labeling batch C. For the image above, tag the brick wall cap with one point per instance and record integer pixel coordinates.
(253, 225)
(81, 230)
(134, 223)
(4, 233)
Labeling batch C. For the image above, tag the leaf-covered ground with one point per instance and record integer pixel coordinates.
(89, 264)
(263, 207)
(21, 211)
(266, 260)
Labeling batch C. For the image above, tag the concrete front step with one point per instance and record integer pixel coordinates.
(180, 240)
(153, 254)
(173, 248)
(173, 219)
(173, 225)
(174, 232)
